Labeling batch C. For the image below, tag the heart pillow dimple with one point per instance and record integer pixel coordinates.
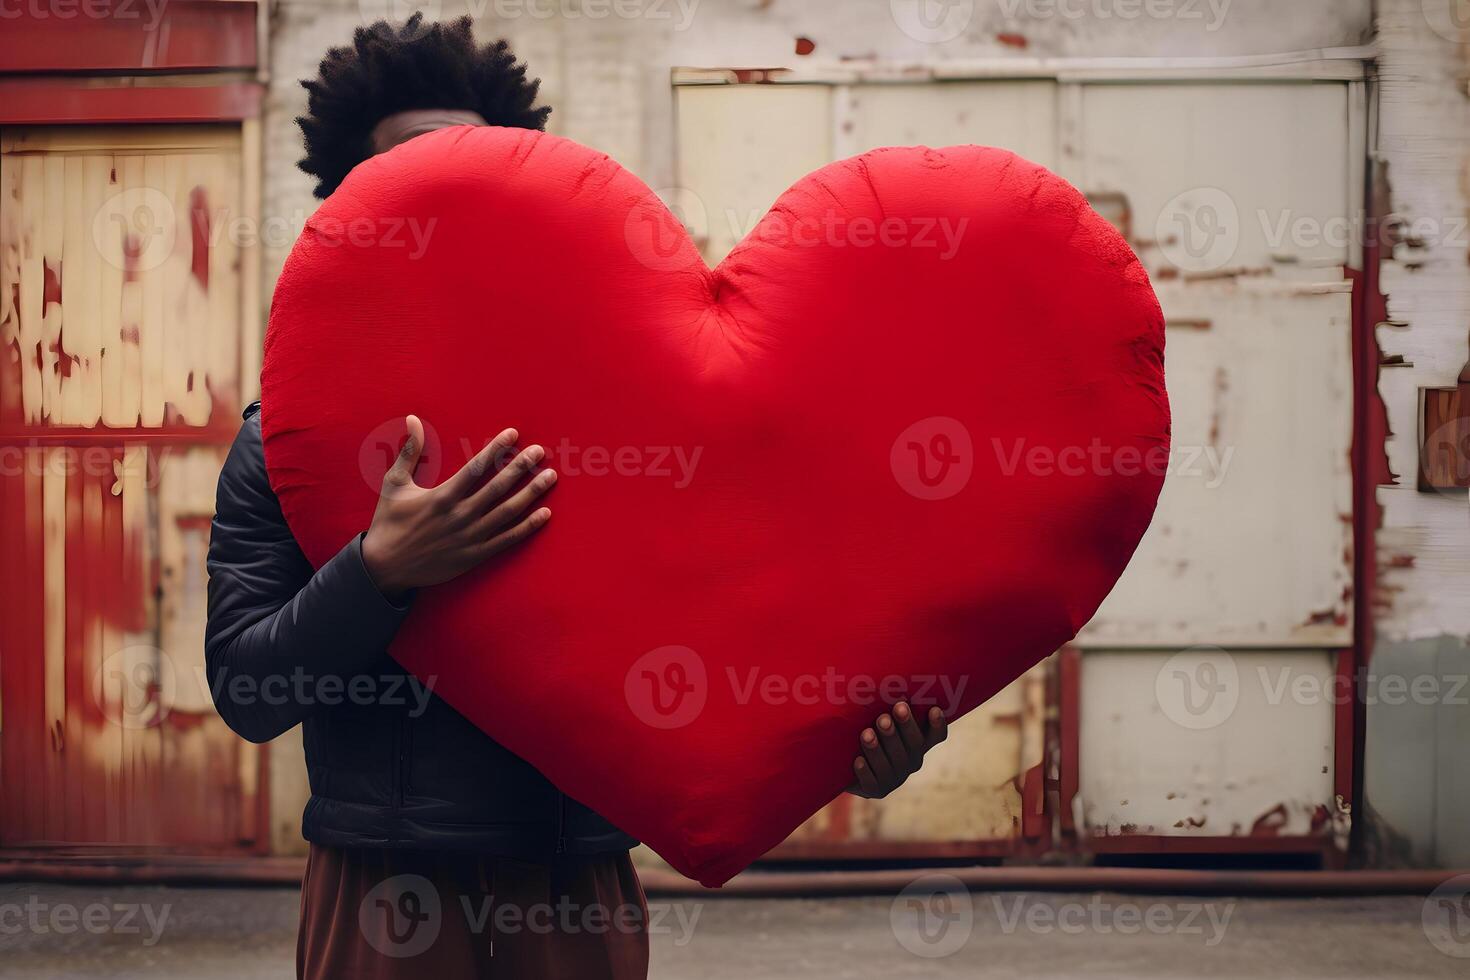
(900, 443)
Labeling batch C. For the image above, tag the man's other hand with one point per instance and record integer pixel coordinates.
(421, 537)
(893, 750)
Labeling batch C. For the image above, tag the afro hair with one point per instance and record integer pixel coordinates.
(392, 69)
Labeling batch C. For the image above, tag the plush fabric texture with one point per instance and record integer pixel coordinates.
(901, 442)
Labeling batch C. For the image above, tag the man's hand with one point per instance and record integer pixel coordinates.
(421, 537)
(893, 750)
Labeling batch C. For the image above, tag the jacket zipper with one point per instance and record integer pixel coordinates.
(402, 758)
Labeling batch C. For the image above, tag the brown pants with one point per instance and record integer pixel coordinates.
(384, 914)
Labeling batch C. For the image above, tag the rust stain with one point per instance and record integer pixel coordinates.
(132, 251)
(199, 225)
(1327, 617)
(1222, 388)
(1227, 274)
(64, 359)
(50, 284)
(1270, 823)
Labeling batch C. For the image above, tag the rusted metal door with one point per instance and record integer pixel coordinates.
(121, 312)
(983, 796)
(1242, 194)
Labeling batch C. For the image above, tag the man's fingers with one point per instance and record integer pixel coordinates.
(400, 474)
(509, 539)
(463, 483)
(519, 502)
(893, 747)
(866, 784)
(501, 484)
(877, 760)
(908, 732)
(938, 728)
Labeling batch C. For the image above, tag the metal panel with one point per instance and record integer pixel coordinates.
(121, 330)
(1252, 541)
(1236, 197)
(1017, 115)
(739, 147)
(1204, 743)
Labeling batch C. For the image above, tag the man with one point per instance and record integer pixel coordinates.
(422, 828)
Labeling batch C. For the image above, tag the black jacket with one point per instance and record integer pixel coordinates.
(390, 764)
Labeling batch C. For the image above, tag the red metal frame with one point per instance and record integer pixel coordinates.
(104, 36)
(27, 102)
(103, 62)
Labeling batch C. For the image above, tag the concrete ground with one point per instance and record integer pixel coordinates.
(49, 930)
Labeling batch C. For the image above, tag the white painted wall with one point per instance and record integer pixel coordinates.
(605, 66)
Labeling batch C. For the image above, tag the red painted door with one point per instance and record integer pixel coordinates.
(120, 327)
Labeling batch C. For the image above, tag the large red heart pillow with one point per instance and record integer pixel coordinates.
(900, 443)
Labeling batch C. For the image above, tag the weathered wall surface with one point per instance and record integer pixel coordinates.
(605, 68)
(1418, 777)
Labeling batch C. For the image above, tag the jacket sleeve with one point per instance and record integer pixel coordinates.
(275, 628)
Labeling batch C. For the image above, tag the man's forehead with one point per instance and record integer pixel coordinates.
(401, 127)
